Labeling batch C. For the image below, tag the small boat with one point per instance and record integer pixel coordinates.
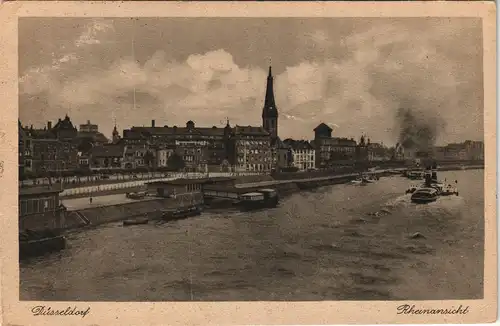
(444, 190)
(424, 195)
(356, 181)
(136, 222)
(359, 182)
(181, 213)
(258, 200)
(370, 178)
(448, 190)
(32, 243)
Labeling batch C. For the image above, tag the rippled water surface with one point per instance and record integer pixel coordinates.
(340, 242)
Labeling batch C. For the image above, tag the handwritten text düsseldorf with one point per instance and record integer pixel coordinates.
(69, 311)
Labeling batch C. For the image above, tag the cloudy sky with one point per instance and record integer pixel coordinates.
(352, 73)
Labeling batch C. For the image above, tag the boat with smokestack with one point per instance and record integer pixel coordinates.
(432, 188)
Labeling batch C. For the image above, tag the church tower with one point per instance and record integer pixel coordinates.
(116, 135)
(270, 112)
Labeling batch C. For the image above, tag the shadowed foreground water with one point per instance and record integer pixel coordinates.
(335, 243)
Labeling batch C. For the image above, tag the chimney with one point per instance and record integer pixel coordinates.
(152, 123)
(49, 125)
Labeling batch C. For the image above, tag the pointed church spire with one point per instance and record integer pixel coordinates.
(269, 109)
(269, 101)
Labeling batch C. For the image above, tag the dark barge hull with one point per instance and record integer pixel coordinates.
(252, 206)
(33, 248)
(423, 200)
(180, 215)
(135, 222)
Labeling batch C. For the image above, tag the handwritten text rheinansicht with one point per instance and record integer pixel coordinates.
(407, 309)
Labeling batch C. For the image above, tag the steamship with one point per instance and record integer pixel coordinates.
(432, 189)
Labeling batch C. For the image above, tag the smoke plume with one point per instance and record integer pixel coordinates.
(417, 129)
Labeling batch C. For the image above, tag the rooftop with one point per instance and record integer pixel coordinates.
(107, 151)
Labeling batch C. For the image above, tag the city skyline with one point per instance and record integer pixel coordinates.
(350, 73)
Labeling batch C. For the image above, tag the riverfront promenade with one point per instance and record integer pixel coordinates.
(118, 199)
(99, 201)
(96, 189)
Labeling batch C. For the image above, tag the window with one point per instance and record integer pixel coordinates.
(29, 209)
(24, 207)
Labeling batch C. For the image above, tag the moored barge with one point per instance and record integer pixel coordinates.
(181, 213)
(38, 243)
(260, 199)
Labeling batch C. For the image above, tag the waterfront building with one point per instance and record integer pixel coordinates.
(138, 156)
(456, 152)
(331, 151)
(24, 148)
(106, 156)
(52, 155)
(60, 147)
(39, 208)
(439, 153)
(377, 152)
(163, 154)
(252, 149)
(475, 150)
(200, 147)
(303, 154)
(285, 158)
(84, 160)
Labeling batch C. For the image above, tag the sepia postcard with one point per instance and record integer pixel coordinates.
(192, 163)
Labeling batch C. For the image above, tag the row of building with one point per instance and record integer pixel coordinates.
(63, 147)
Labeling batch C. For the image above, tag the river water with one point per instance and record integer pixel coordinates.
(341, 242)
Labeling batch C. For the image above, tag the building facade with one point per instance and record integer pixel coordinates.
(377, 152)
(331, 151)
(89, 127)
(107, 157)
(162, 156)
(251, 148)
(303, 154)
(474, 149)
(39, 208)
